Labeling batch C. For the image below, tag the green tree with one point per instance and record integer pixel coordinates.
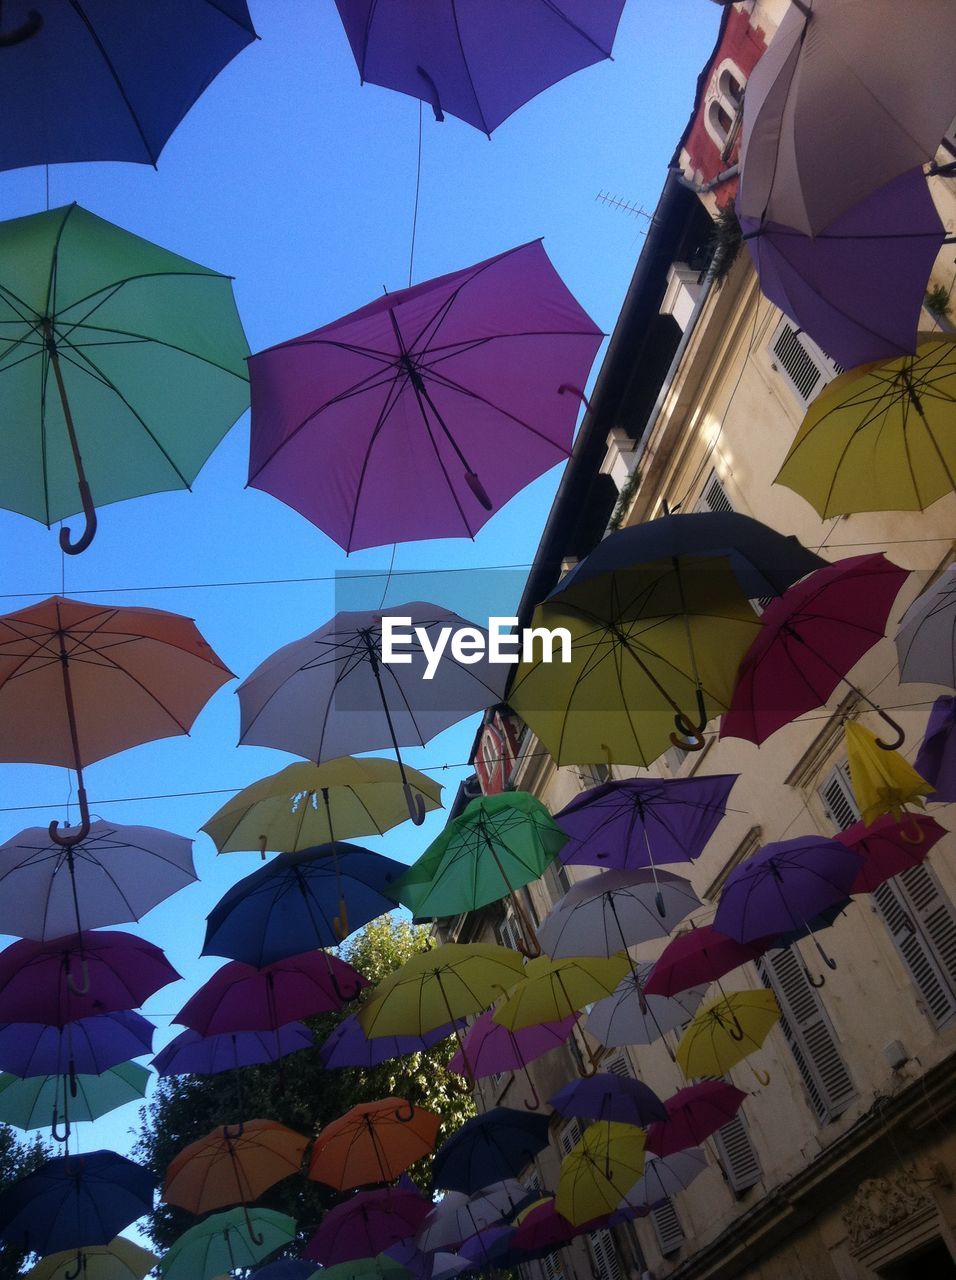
(302, 1094)
(17, 1159)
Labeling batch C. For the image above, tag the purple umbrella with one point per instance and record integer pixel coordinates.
(192, 1054)
(640, 822)
(477, 60)
(609, 1097)
(348, 1046)
(421, 414)
(487, 1245)
(858, 287)
(936, 760)
(492, 1048)
(421, 1264)
(366, 1224)
(89, 1046)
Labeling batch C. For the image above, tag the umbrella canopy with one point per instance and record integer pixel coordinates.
(665, 1176)
(477, 64)
(192, 1054)
(876, 438)
(488, 1248)
(811, 639)
(924, 641)
(366, 1224)
(857, 288)
(74, 1201)
(301, 901)
(542, 1227)
(304, 805)
(109, 83)
(348, 1045)
(597, 1172)
(692, 1115)
(803, 166)
(698, 957)
(233, 1166)
(123, 364)
(235, 1239)
(379, 1268)
(614, 910)
(121, 1259)
(239, 997)
(114, 875)
(491, 1048)
(883, 782)
(606, 1096)
(936, 758)
(457, 1216)
(641, 822)
(88, 1046)
(887, 849)
(285, 1269)
(437, 403)
(30, 1103)
(628, 1016)
(726, 1031)
(554, 989)
(488, 1148)
(373, 1142)
(80, 975)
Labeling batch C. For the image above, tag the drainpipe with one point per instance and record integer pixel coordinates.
(701, 189)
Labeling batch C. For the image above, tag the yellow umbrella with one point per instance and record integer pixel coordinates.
(121, 1259)
(880, 437)
(883, 782)
(308, 804)
(598, 1173)
(725, 1031)
(554, 989)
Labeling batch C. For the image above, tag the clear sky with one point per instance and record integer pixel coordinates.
(292, 178)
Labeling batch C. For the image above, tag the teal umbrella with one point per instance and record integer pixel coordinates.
(497, 845)
(380, 1268)
(122, 366)
(223, 1242)
(39, 1101)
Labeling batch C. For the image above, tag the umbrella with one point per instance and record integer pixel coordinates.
(82, 681)
(366, 1224)
(803, 165)
(692, 1115)
(111, 82)
(883, 782)
(436, 404)
(700, 956)
(936, 758)
(117, 873)
(74, 1201)
(301, 901)
(924, 641)
(614, 910)
(629, 1016)
(877, 438)
(476, 64)
(665, 1176)
(457, 1216)
(239, 997)
(725, 1031)
(812, 637)
(373, 1142)
(857, 288)
(348, 1045)
(641, 822)
(331, 692)
(379, 1268)
(306, 804)
(596, 1172)
(490, 1049)
(285, 1269)
(554, 989)
(123, 365)
(192, 1054)
(488, 1148)
(39, 1101)
(121, 1259)
(609, 1097)
(885, 850)
(88, 1046)
(39, 983)
(224, 1242)
(498, 844)
(228, 1166)
(489, 1247)
(542, 1227)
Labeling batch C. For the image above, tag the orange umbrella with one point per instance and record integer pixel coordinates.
(81, 681)
(374, 1142)
(229, 1166)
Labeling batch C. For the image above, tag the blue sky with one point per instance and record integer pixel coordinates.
(292, 178)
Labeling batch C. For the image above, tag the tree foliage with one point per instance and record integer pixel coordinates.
(301, 1093)
(17, 1159)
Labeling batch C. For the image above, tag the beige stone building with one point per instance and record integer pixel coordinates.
(843, 1167)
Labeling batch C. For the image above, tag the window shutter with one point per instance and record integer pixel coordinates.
(805, 366)
(737, 1156)
(604, 1255)
(551, 1267)
(920, 919)
(808, 1032)
(571, 1135)
(714, 496)
(667, 1227)
(508, 933)
(619, 1064)
(838, 798)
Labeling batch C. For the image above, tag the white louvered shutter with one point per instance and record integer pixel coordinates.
(618, 1064)
(919, 917)
(806, 368)
(838, 797)
(808, 1032)
(571, 1135)
(508, 933)
(713, 496)
(607, 1265)
(667, 1227)
(551, 1266)
(737, 1156)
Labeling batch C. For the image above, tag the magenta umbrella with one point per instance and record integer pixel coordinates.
(492, 1049)
(887, 849)
(693, 1114)
(811, 638)
(698, 957)
(422, 413)
(367, 1224)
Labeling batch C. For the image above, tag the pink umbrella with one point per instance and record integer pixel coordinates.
(885, 849)
(693, 1114)
(367, 1224)
(491, 1048)
(544, 1228)
(698, 957)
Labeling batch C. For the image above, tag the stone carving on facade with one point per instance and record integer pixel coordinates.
(882, 1203)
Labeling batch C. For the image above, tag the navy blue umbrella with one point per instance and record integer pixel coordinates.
(108, 81)
(74, 1201)
(489, 1148)
(301, 901)
(609, 1097)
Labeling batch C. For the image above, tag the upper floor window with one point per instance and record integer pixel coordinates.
(723, 102)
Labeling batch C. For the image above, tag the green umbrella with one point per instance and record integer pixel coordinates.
(122, 366)
(229, 1241)
(498, 844)
(381, 1268)
(39, 1101)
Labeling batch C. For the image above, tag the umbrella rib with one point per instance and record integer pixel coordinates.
(467, 68)
(392, 400)
(451, 385)
(441, 314)
(149, 340)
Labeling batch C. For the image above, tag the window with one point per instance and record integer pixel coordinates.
(607, 1264)
(737, 1156)
(805, 366)
(557, 879)
(723, 103)
(592, 775)
(551, 1267)
(838, 798)
(508, 932)
(714, 496)
(667, 1227)
(618, 1064)
(571, 1134)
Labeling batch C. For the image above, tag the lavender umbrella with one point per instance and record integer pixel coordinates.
(492, 1049)
(609, 1097)
(857, 288)
(192, 1054)
(88, 1046)
(936, 759)
(421, 414)
(477, 60)
(348, 1046)
(487, 1246)
(627, 1016)
(614, 910)
(665, 1176)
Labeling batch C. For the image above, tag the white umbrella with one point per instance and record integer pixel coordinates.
(664, 1176)
(621, 1018)
(926, 639)
(456, 1217)
(614, 910)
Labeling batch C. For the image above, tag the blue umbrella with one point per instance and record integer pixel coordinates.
(609, 1097)
(348, 1045)
(193, 1054)
(489, 1148)
(88, 1046)
(298, 902)
(74, 1201)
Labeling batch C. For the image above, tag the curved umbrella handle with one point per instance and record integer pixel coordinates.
(532, 1106)
(89, 533)
(25, 31)
(415, 804)
(566, 387)
(83, 988)
(529, 947)
(263, 840)
(735, 1030)
(240, 1130)
(897, 728)
(405, 1119)
(54, 1133)
(915, 833)
(80, 1267)
(827, 960)
(253, 1234)
(694, 740)
(74, 1083)
(762, 1077)
(433, 87)
(73, 836)
(591, 1069)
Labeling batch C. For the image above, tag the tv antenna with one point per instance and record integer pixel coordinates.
(626, 206)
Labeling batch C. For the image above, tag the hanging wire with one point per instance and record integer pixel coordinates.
(418, 187)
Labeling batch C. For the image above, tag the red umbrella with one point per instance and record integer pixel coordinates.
(811, 638)
(697, 957)
(885, 849)
(693, 1114)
